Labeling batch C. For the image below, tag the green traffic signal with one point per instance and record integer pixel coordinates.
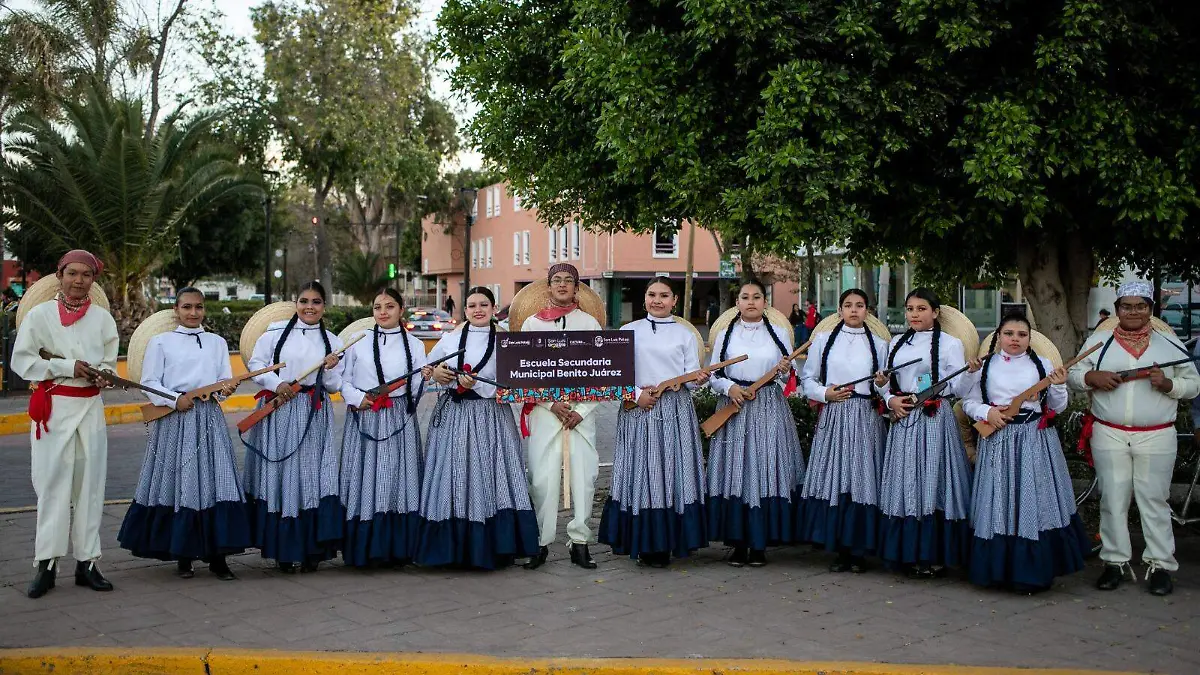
(391, 270)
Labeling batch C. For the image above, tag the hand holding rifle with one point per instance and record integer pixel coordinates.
(650, 396)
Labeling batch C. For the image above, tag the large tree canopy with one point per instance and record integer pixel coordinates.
(1052, 138)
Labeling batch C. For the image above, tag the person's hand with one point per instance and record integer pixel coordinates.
(442, 374)
(561, 410)
(1159, 380)
(100, 379)
(998, 418)
(647, 399)
(974, 365)
(703, 377)
(285, 392)
(784, 365)
(427, 372)
(331, 361)
(1058, 375)
(1104, 380)
(184, 403)
(835, 394)
(228, 388)
(82, 370)
(466, 381)
(901, 406)
(881, 379)
(573, 420)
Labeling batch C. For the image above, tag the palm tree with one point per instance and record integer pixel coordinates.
(360, 275)
(97, 182)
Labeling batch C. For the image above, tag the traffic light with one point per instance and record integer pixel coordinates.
(391, 270)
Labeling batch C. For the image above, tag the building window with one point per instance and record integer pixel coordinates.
(488, 257)
(516, 202)
(496, 200)
(666, 241)
(488, 197)
(553, 234)
(576, 234)
(496, 292)
(425, 264)
(525, 247)
(516, 248)
(474, 255)
(563, 245)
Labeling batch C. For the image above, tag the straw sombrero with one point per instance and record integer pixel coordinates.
(773, 315)
(1155, 322)
(873, 323)
(356, 327)
(1039, 342)
(957, 324)
(44, 290)
(536, 296)
(160, 322)
(258, 324)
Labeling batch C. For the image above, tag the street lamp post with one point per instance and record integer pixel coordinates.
(267, 248)
(468, 196)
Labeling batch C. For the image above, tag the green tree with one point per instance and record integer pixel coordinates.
(102, 186)
(359, 275)
(228, 240)
(1055, 139)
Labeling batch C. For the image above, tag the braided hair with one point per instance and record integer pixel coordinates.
(1037, 361)
(462, 339)
(838, 329)
(766, 322)
(320, 290)
(929, 296)
(392, 293)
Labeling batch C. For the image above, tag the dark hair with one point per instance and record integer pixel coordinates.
(833, 337)
(853, 291)
(929, 296)
(393, 294)
(1105, 311)
(661, 280)
(1037, 362)
(738, 317)
(185, 290)
(484, 291)
(310, 286)
(753, 282)
(375, 333)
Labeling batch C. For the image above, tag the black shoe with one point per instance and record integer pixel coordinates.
(287, 567)
(183, 569)
(582, 557)
(921, 572)
(739, 557)
(858, 565)
(1160, 582)
(220, 568)
(87, 574)
(309, 566)
(842, 564)
(539, 559)
(757, 558)
(655, 560)
(1111, 578)
(43, 581)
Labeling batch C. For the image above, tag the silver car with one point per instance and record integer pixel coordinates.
(428, 323)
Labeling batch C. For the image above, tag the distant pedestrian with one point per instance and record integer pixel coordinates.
(1104, 314)
(449, 306)
(811, 318)
(796, 319)
(710, 316)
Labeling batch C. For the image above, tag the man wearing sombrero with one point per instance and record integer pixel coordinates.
(59, 345)
(547, 423)
(1131, 427)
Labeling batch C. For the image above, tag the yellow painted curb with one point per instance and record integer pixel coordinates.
(202, 661)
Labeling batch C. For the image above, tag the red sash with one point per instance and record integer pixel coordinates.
(1089, 421)
(41, 402)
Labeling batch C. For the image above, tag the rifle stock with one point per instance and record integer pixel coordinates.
(676, 383)
(276, 403)
(984, 429)
(719, 418)
(151, 412)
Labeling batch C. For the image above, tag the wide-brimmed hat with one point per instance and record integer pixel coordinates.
(356, 327)
(776, 317)
(258, 324)
(957, 324)
(162, 321)
(536, 296)
(1156, 323)
(872, 323)
(1041, 345)
(44, 290)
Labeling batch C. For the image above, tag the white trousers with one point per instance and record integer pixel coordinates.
(69, 465)
(1138, 463)
(545, 474)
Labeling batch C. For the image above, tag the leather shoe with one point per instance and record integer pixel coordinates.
(221, 570)
(842, 564)
(582, 557)
(87, 574)
(538, 560)
(287, 567)
(858, 565)
(739, 557)
(757, 558)
(1111, 578)
(921, 572)
(1160, 582)
(183, 569)
(309, 566)
(43, 581)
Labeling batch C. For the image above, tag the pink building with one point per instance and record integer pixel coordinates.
(509, 248)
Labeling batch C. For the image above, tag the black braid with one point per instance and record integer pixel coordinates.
(487, 354)
(1041, 369)
(283, 338)
(933, 349)
(409, 404)
(891, 362)
(778, 343)
(325, 337)
(829, 346)
(983, 376)
(874, 351)
(378, 361)
(725, 343)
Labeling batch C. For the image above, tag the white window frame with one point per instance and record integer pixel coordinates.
(488, 198)
(576, 240)
(475, 207)
(654, 245)
(497, 201)
(474, 255)
(516, 202)
(525, 247)
(496, 292)
(488, 248)
(552, 232)
(516, 248)
(563, 244)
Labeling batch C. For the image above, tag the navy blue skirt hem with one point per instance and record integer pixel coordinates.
(1009, 561)
(163, 533)
(736, 524)
(848, 527)
(508, 534)
(653, 530)
(385, 538)
(312, 536)
(928, 540)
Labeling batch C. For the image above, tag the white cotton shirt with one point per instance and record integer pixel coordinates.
(753, 340)
(662, 354)
(917, 346)
(92, 339)
(477, 344)
(849, 360)
(1007, 377)
(176, 363)
(303, 349)
(358, 367)
(1136, 403)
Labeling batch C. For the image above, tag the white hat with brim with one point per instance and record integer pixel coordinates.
(44, 290)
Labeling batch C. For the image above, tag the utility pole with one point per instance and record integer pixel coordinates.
(469, 195)
(687, 280)
(267, 246)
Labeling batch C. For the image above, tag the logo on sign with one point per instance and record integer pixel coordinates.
(504, 342)
(599, 341)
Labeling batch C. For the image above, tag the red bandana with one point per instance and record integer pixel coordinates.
(69, 314)
(1135, 342)
(554, 312)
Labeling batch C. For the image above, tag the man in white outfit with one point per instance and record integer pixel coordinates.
(57, 346)
(1133, 434)
(548, 422)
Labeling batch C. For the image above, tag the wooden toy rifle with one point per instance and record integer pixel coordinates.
(1030, 394)
(934, 389)
(110, 377)
(723, 415)
(1144, 372)
(276, 403)
(151, 412)
(676, 383)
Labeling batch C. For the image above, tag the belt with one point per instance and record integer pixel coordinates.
(1089, 421)
(41, 402)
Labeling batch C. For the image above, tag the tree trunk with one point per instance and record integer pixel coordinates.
(157, 66)
(128, 306)
(747, 261)
(324, 256)
(1056, 277)
(811, 281)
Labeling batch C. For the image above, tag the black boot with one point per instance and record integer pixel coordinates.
(921, 571)
(739, 557)
(857, 564)
(287, 567)
(220, 568)
(758, 558)
(183, 569)
(539, 559)
(582, 557)
(309, 566)
(43, 581)
(1160, 582)
(1111, 578)
(842, 564)
(87, 574)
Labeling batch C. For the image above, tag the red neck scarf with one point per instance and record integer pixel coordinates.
(1135, 342)
(554, 312)
(70, 313)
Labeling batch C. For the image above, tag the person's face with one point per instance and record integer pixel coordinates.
(76, 281)
(660, 300)
(1014, 338)
(751, 302)
(562, 288)
(1133, 313)
(386, 311)
(310, 306)
(853, 310)
(920, 313)
(189, 310)
(479, 310)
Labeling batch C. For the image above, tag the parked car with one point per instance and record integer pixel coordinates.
(1175, 314)
(428, 323)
